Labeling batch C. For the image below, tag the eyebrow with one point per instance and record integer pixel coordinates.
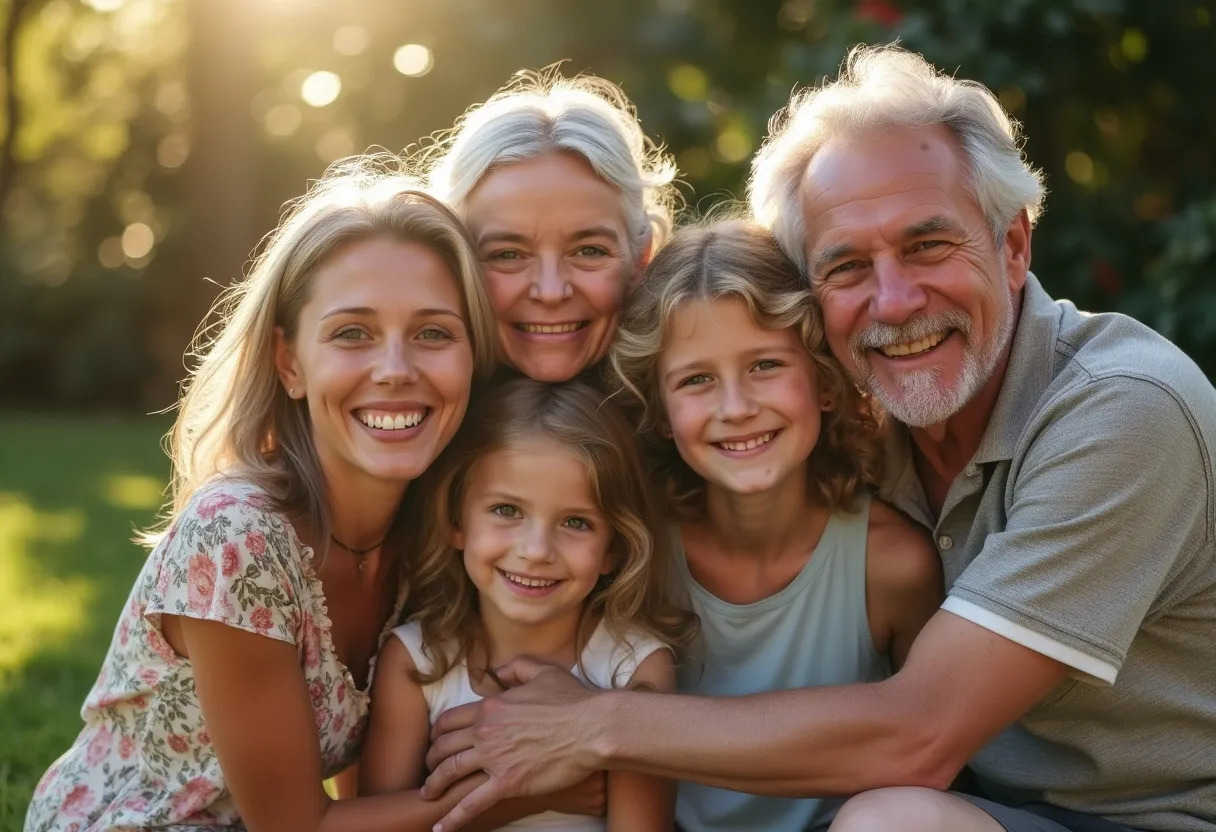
(367, 310)
(932, 225)
(516, 237)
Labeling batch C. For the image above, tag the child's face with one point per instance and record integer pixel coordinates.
(742, 401)
(535, 541)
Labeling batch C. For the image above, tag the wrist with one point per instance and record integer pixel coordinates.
(600, 746)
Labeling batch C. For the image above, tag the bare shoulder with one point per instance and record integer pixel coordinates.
(394, 661)
(900, 555)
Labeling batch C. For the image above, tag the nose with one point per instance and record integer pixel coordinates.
(394, 364)
(550, 282)
(736, 402)
(898, 296)
(535, 543)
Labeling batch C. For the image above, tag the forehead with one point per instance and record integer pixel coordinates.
(554, 191)
(892, 178)
(535, 464)
(380, 272)
(720, 327)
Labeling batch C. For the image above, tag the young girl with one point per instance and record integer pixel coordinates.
(539, 543)
(765, 451)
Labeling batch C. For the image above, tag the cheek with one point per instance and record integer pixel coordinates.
(505, 289)
(604, 291)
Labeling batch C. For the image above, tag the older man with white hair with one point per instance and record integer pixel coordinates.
(1063, 463)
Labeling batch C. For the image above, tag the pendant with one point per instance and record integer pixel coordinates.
(362, 563)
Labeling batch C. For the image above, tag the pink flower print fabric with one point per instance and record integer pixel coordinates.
(144, 758)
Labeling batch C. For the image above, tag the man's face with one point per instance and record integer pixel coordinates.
(918, 299)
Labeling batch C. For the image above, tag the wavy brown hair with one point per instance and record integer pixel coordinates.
(234, 418)
(576, 415)
(737, 260)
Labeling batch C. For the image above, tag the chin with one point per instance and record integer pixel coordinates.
(551, 372)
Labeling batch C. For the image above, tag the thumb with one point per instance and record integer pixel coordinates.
(523, 669)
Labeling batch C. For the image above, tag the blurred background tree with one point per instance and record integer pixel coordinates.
(155, 141)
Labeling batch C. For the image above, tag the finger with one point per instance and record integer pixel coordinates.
(455, 719)
(523, 669)
(445, 745)
(474, 804)
(451, 770)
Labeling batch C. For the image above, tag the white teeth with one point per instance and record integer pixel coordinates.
(550, 329)
(391, 421)
(749, 444)
(529, 582)
(914, 347)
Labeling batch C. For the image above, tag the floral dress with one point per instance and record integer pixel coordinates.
(144, 759)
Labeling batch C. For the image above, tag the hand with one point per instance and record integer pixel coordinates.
(533, 739)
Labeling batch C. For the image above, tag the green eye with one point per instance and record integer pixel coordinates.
(692, 381)
(350, 333)
(506, 510)
(767, 364)
(434, 334)
(578, 523)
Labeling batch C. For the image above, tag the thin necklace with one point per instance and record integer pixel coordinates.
(361, 554)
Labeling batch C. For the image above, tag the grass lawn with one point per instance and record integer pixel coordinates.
(72, 492)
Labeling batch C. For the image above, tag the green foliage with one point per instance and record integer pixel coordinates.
(1114, 96)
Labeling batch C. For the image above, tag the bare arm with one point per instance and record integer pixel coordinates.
(903, 581)
(641, 802)
(961, 685)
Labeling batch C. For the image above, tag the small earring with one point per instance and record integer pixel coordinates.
(291, 391)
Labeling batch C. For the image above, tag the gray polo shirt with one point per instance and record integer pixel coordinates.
(1085, 528)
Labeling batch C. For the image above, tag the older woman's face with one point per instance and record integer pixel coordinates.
(554, 249)
(382, 357)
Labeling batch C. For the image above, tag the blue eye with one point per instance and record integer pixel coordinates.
(506, 510)
(767, 364)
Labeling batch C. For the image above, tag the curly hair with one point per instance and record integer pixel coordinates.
(739, 260)
(575, 415)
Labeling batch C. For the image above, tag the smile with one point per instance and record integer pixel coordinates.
(551, 329)
(524, 580)
(914, 347)
(391, 421)
(748, 444)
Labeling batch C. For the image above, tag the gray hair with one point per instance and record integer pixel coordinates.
(881, 88)
(538, 113)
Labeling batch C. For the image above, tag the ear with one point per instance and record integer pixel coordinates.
(645, 252)
(610, 559)
(827, 403)
(456, 538)
(286, 365)
(1016, 251)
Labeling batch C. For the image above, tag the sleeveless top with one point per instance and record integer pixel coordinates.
(144, 758)
(813, 632)
(606, 662)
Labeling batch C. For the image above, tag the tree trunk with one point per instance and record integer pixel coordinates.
(12, 104)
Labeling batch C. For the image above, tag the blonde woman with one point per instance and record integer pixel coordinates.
(566, 200)
(237, 677)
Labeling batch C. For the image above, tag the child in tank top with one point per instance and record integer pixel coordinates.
(766, 450)
(537, 540)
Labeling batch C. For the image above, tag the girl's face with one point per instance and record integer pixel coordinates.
(742, 401)
(382, 357)
(534, 539)
(554, 248)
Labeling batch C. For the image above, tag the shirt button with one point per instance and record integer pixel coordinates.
(945, 542)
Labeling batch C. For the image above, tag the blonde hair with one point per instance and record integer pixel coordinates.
(234, 418)
(884, 88)
(574, 414)
(538, 113)
(740, 261)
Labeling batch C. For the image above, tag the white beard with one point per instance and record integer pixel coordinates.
(921, 400)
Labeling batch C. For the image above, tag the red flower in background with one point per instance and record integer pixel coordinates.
(878, 11)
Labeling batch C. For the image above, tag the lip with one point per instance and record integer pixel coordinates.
(528, 591)
(401, 435)
(572, 335)
(929, 356)
(743, 438)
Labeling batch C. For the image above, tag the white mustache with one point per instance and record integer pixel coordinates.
(878, 335)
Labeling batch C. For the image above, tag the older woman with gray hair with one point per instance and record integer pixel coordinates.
(566, 200)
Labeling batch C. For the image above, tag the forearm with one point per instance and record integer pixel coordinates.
(809, 742)
(408, 812)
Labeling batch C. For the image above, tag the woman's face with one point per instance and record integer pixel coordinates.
(383, 359)
(556, 255)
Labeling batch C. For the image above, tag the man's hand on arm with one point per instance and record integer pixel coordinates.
(962, 685)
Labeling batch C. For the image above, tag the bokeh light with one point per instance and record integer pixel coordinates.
(321, 88)
(350, 40)
(413, 59)
(137, 240)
